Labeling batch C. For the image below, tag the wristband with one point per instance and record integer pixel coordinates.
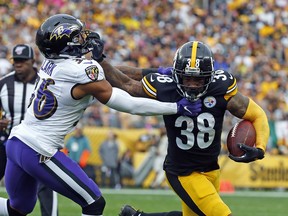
(147, 71)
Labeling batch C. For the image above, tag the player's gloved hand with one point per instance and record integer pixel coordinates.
(188, 108)
(92, 35)
(165, 71)
(251, 154)
(97, 46)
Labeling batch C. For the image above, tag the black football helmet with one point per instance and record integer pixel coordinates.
(193, 60)
(62, 36)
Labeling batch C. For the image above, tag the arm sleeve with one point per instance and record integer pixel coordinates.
(122, 101)
(257, 116)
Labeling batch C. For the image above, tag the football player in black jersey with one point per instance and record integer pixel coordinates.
(194, 143)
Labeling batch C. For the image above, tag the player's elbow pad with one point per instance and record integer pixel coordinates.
(122, 101)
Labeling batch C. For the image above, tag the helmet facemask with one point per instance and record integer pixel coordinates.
(78, 46)
(193, 79)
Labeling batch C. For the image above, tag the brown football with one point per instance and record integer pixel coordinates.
(242, 132)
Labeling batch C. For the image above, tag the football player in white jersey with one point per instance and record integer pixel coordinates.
(67, 84)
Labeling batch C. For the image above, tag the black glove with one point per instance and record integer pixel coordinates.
(97, 46)
(251, 154)
(92, 35)
(187, 108)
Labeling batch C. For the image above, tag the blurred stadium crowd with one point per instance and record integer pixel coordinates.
(249, 39)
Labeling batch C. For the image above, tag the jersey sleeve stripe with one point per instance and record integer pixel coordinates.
(148, 93)
(148, 88)
(149, 85)
(232, 87)
(231, 93)
(232, 90)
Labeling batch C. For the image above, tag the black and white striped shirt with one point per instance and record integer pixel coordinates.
(14, 97)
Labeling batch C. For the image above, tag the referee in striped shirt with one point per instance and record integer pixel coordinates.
(15, 91)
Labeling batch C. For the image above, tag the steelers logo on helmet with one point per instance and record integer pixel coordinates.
(193, 69)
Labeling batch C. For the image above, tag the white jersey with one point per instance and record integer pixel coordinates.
(53, 112)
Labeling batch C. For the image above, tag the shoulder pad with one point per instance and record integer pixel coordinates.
(226, 83)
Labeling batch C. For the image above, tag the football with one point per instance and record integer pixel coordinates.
(242, 132)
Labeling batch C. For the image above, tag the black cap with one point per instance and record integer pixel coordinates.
(23, 51)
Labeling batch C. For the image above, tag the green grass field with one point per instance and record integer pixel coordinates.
(245, 203)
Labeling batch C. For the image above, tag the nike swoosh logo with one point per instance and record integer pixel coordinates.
(185, 108)
(151, 79)
(230, 76)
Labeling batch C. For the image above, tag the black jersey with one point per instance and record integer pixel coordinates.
(194, 143)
